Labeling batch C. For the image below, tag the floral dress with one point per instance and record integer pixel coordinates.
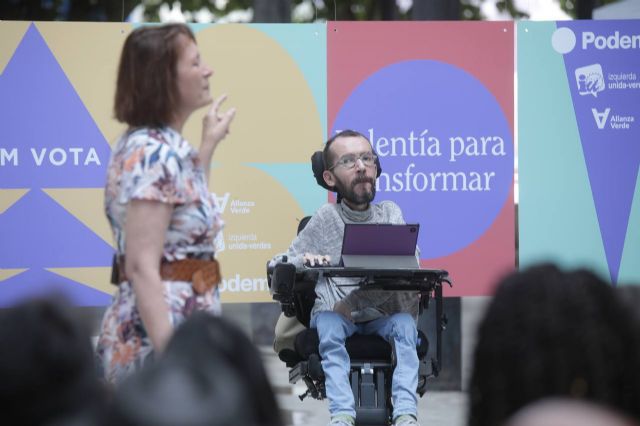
(156, 164)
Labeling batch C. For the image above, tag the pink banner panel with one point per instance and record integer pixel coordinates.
(436, 101)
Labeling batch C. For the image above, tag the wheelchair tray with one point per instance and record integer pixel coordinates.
(380, 279)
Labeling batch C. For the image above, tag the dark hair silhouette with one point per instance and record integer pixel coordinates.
(171, 392)
(204, 335)
(209, 375)
(47, 372)
(553, 333)
(630, 297)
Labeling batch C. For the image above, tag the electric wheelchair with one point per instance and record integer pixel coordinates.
(372, 358)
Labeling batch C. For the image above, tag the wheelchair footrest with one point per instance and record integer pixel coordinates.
(372, 417)
(370, 393)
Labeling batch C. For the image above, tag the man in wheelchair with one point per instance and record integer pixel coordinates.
(341, 309)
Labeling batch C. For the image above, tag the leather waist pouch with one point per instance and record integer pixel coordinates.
(203, 274)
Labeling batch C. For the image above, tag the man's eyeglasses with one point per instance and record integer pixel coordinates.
(349, 161)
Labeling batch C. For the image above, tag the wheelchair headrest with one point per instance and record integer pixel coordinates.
(317, 165)
(303, 223)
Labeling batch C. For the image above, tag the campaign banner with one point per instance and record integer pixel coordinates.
(579, 121)
(57, 82)
(436, 101)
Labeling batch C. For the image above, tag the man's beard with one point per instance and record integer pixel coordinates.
(350, 194)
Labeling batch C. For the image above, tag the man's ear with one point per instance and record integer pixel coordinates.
(329, 178)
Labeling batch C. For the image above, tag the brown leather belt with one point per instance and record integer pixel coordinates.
(203, 274)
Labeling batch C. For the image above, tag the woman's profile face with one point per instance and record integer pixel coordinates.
(193, 77)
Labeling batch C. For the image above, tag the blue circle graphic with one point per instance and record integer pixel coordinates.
(445, 147)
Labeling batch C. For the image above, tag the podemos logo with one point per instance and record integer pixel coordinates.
(564, 40)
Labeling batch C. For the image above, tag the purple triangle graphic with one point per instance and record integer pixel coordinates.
(49, 139)
(38, 233)
(40, 283)
(611, 151)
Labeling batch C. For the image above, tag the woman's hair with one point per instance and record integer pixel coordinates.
(146, 90)
(553, 333)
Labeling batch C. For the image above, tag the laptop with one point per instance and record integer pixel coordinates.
(380, 246)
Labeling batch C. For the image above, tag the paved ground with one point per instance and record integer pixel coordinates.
(434, 408)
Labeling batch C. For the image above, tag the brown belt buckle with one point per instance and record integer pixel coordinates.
(205, 278)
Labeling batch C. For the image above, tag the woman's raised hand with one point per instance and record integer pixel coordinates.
(215, 125)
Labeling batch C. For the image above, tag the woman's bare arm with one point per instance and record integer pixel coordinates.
(146, 226)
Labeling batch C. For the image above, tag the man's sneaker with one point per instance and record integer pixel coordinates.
(342, 420)
(406, 420)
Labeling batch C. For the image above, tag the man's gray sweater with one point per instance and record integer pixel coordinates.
(323, 236)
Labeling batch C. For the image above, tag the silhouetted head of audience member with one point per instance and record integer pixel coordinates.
(171, 392)
(47, 371)
(630, 297)
(210, 374)
(204, 335)
(567, 412)
(551, 333)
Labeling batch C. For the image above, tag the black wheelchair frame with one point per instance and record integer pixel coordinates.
(372, 358)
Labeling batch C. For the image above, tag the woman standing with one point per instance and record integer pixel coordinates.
(163, 217)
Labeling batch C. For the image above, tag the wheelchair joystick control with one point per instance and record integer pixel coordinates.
(282, 279)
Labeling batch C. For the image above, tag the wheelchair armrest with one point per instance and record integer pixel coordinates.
(281, 282)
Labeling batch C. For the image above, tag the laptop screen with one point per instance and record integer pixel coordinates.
(380, 239)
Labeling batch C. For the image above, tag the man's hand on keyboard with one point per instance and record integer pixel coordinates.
(316, 260)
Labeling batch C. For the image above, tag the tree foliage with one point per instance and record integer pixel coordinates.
(274, 10)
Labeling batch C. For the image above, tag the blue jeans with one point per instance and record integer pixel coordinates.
(333, 330)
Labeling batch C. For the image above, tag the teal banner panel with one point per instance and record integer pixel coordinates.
(579, 111)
